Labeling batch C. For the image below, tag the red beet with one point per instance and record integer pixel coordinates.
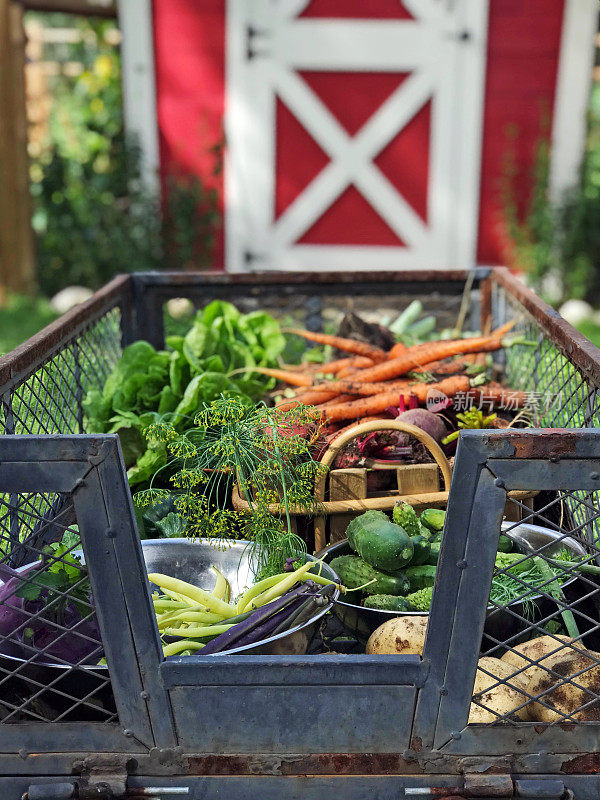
(429, 422)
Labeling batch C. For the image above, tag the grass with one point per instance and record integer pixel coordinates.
(591, 329)
(21, 317)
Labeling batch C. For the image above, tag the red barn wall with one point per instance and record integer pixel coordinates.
(523, 48)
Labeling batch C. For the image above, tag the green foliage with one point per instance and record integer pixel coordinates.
(560, 240)
(196, 369)
(272, 465)
(21, 317)
(93, 215)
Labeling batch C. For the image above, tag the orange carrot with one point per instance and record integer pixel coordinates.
(498, 396)
(397, 350)
(424, 354)
(379, 402)
(354, 362)
(285, 376)
(347, 345)
(368, 389)
(312, 398)
(339, 398)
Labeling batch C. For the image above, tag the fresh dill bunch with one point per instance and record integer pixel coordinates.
(266, 451)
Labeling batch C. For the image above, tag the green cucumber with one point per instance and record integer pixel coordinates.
(404, 515)
(381, 543)
(434, 552)
(421, 551)
(354, 572)
(387, 602)
(433, 518)
(421, 577)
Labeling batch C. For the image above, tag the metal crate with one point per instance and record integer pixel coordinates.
(254, 726)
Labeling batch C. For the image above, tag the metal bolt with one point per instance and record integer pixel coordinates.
(500, 483)
(111, 533)
(594, 476)
(145, 695)
(127, 733)
(443, 691)
(554, 459)
(461, 564)
(455, 735)
(23, 753)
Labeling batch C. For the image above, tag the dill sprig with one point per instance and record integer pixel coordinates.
(267, 452)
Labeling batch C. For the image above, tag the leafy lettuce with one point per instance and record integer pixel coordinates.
(194, 370)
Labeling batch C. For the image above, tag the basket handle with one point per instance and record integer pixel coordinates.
(359, 430)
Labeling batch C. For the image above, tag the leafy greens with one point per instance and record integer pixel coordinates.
(192, 371)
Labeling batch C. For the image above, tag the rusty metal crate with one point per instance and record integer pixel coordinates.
(343, 725)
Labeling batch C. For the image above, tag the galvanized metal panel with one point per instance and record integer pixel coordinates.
(134, 589)
(279, 719)
(326, 670)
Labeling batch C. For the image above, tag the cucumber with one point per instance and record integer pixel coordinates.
(426, 533)
(404, 515)
(381, 543)
(354, 572)
(366, 521)
(421, 577)
(433, 518)
(505, 544)
(421, 551)
(434, 552)
(387, 602)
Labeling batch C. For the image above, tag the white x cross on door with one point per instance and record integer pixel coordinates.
(278, 55)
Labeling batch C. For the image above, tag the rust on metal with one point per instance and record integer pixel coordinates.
(579, 350)
(586, 764)
(545, 443)
(310, 764)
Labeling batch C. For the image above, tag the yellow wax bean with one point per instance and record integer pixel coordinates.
(178, 647)
(168, 605)
(194, 593)
(259, 587)
(221, 589)
(197, 631)
(283, 586)
(191, 616)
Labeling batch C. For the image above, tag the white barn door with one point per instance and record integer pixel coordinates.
(276, 54)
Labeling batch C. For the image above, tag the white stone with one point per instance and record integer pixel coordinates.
(69, 297)
(179, 307)
(575, 311)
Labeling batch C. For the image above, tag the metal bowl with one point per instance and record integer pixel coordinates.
(500, 624)
(192, 560)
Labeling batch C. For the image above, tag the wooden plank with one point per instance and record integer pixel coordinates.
(418, 478)
(345, 484)
(17, 267)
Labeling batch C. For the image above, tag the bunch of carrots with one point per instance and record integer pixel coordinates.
(370, 380)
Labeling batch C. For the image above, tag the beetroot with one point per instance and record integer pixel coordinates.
(429, 422)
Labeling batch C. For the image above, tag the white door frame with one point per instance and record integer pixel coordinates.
(250, 127)
(574, 81)
(139, 85)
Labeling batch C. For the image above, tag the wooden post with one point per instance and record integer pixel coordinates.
(17, 265)
(345, 484)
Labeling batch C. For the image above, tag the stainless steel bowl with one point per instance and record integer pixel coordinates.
(192, 560)
(500, 624)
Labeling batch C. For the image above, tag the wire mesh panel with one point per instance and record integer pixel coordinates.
(524, 646)
(50, 640)
(68, 612)
(542, 629)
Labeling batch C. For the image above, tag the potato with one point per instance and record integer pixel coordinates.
(566, 698)
(399, 636)
(535, 649)
(502, 698)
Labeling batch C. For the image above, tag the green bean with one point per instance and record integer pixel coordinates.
(197, 632)
(178, 647)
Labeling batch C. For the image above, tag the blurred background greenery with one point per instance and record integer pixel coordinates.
(93, 217)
